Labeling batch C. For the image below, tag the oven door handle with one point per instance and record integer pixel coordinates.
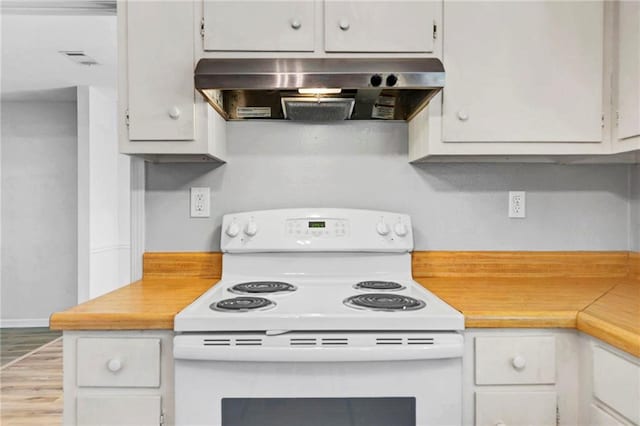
(316, 353)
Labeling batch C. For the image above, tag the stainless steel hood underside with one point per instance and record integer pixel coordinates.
(319, 89)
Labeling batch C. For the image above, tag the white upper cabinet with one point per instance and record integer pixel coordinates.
(380, 26)
(523, 71)
(159, 64)
(628, 70)
(160, 115)
(277, 26)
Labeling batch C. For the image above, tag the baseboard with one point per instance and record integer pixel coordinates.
(24, 323)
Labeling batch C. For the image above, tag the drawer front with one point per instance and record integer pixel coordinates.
(118, 362)
(599, 417)
(269, 26)
(515, 360)
(616, 382)
(380, 26)
(121, 410)
(516, 408)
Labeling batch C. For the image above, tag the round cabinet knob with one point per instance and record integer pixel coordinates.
(400, 229)
(114, 365)
(344, 25)
(383, 228)
(174, 112)
(251, 229)
(296, 24)
(233, 229)
(518, 362)
(462, 115)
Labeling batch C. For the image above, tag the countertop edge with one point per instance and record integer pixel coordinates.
(610, 333)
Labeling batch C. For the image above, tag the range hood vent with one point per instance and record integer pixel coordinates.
(319, 89)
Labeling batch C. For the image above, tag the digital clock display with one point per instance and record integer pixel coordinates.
(317, 224)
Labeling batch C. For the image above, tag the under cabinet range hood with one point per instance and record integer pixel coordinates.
(319, 89)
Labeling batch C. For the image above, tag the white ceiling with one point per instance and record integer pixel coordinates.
(32, 64)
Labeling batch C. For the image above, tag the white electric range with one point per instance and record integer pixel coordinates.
(317, 321)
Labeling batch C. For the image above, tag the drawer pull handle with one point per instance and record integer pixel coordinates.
(174, 113)
(296, 24)
(462, 115)
(344, 25)
(114, 365)
(519, 362)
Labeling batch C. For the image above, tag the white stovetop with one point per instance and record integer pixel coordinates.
(324, 252)
(317, 304)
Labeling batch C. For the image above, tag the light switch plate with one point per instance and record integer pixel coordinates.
(200, 201)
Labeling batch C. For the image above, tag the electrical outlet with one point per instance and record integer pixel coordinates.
(200, 202)
(517, 204)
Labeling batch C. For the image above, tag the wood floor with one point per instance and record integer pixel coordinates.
(16, 342)
(31, 388)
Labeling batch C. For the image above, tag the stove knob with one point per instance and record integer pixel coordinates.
(233, 229)
(383, 228)
(251, 229)
(400, 229)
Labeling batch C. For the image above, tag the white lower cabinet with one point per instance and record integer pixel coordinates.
(599, 417)
(516, 408)
(616, 382)
(119, 410)
(118, 378)
(520, 377)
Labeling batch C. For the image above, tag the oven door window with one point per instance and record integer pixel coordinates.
(395, 411)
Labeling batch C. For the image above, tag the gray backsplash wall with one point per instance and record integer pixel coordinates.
(364, 165)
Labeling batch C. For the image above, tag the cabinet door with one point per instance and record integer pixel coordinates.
(523, 71)
(259, 25)
(121, 410)
(380, 26)
(616, 382)
(160, 70)
(628, 114)
(599, 417)
(516, 408)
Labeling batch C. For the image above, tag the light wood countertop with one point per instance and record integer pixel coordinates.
(146, 304)
(606, 307)
(519, 302)
(615, 317)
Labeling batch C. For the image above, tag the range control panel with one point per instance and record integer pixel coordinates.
(317, 228)
(321, 230)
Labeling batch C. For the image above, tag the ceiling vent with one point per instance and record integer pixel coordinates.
(79, 57)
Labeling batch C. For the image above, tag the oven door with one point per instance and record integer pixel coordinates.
(319, 379)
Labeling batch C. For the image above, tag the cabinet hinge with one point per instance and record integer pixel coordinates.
(126, 117)
(435, 31)
(617, 118)
(202, 28)
(602, 121)
(161, 419)
(557, 414)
